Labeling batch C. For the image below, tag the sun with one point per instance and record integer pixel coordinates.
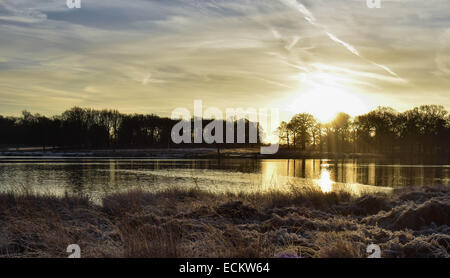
(324, 102)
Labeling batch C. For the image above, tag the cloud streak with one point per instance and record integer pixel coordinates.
(153, 55)
(311, 19)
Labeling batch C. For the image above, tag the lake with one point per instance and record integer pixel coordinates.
(97, 176)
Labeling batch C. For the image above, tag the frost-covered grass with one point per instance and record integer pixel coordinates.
(410, 222)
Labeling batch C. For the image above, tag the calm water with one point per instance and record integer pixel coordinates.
(96, 176)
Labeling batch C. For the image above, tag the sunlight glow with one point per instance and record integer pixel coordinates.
(325, 181)
(324, 97)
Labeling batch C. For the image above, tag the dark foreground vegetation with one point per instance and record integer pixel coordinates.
(192, 223)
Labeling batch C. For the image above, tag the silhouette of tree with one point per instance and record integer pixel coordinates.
(301, 126)
(284, 133)
(340, 127)
(421, 130)
(424, 129)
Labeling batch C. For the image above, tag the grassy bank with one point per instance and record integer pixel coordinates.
(193, 223)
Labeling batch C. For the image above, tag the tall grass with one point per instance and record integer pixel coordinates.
(301, 221)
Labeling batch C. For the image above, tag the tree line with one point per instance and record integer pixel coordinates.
(90, 128)
(424, 129)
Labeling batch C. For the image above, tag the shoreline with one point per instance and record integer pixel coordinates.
(231, 153)
(188, 153)
(307, 223)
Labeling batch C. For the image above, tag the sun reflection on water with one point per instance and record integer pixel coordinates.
(325, 181)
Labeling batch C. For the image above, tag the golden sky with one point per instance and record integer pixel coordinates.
(317, 56)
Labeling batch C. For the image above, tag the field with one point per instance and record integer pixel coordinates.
(299, 223)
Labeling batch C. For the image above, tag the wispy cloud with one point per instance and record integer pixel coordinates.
(311, 19)
(153, 55)
(346, 45)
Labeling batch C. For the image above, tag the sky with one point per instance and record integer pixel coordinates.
(152, 56)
